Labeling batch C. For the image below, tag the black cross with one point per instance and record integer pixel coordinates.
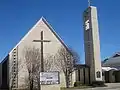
(42, 41)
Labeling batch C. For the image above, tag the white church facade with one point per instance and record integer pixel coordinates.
(16, 55)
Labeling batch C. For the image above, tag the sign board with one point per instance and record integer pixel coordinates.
(47, 78)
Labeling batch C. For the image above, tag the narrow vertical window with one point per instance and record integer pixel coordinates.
(98, 74)
(87, 26)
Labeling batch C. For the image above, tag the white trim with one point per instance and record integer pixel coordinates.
(51, 29)
(58, 37)
(108, 68)
(26, 34)
(49, 26)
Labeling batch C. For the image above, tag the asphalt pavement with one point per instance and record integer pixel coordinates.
(110, 86)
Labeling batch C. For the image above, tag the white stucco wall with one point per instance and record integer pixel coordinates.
(49, 48)
(96, 43)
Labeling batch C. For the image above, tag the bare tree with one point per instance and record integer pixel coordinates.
(32, 58)
(66, 59)
(33, 63)
(48, 62)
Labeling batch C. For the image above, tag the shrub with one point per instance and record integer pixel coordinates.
(78, 83)
(98, 83)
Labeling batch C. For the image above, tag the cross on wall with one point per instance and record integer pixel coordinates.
(41, 42)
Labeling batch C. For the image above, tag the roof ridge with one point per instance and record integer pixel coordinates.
(31, 29)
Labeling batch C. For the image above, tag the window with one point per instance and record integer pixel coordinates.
(98, 74)
(103, 74)
(87, 25)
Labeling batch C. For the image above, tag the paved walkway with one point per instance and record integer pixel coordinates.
(110, 86)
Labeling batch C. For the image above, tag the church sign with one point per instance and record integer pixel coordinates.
(49, 78)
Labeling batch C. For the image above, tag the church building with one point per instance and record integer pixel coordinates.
(111, 68)
(42, 31)
(10, 63)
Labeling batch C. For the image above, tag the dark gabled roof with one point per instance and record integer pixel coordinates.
(112, 61)
(5, 59)
(116, 55)
(105, 60)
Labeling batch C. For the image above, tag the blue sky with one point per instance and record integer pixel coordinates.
(65, 16)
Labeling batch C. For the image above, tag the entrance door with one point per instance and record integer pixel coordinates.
(117, 76)
(107, 76)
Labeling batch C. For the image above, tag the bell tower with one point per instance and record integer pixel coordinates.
(92, 43)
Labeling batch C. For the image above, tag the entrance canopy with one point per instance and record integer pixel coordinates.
(108, 68)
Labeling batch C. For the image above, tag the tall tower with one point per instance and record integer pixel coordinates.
(92, 43)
